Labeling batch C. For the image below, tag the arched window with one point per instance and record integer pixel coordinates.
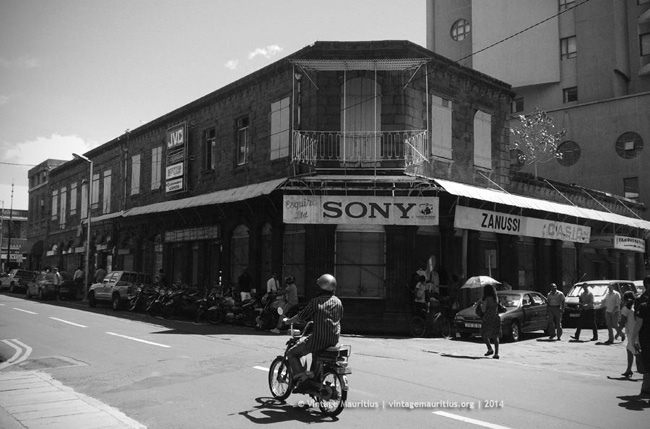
(460, 30)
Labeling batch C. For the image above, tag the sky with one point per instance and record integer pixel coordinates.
(75, 74)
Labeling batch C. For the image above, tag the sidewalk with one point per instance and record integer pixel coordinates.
(32, 399)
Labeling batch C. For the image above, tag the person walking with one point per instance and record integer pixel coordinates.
(612, 311)
(628, 321)
(587, 313)
(556, 301)
(642, 332)
(491, 326)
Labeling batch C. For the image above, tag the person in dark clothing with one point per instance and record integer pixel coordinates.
(244, 283)
(587, 313)
(642, 330)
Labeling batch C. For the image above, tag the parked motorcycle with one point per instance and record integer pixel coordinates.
(328, 383)
(142, 297)
(180, 301)
(229, 311)
(156, 305)
(268, 317)
(210, 298)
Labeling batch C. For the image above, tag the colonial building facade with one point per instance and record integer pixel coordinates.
(368, 160)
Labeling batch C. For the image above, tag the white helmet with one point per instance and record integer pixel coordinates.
(327, 282)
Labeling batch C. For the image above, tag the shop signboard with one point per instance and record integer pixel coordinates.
(618, 242)
(360, 210)
(504, 223)
(176, 159)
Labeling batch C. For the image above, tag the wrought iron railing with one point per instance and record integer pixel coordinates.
(361, 148)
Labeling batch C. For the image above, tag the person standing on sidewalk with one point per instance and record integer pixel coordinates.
(628, 321)
(642, 331)
(612, 312)
(587, 313)
(555, 308)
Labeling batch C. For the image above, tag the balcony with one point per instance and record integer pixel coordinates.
(391, 150)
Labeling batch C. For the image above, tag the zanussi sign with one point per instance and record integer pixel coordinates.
(504, 223)
(327, 209)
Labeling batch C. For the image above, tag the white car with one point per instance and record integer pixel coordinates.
(17, 280)
(117, 287)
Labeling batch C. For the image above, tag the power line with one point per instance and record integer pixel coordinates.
(16, 164)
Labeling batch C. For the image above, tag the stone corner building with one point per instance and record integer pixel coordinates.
(367, 160)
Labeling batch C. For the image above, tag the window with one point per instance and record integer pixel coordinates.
(631, 188)
(517, 105)
(360, 259)
(570, 95)
(568, 48)
(73, 199)
(460, 30)
(570, 153)
(106, 203)
(566, 4)
(62, 208)
(84, 200)
(94, 192)
(55, 204)
(280, 124)
(242, 141)
(629, 145)
(156, 167)
(482, 140)
(135, 174)
(210, 143)
(644, 44)
(441, 120)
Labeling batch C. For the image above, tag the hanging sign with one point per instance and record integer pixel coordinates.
(619, 242)
(176, 165)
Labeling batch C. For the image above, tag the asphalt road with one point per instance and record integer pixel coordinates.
(173, 374)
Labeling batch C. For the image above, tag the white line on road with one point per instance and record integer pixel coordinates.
(24, 311)
(69, 323)
(468, 420)
(138, 339)
(15, 358)
(261, 368)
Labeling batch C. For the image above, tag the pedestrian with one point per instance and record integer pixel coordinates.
(556, 301)
(273, 284)
(100, 274)
(491, 326)
(587, 313)
(78, 276)
(244, 283)
(57, 276)
(420, 298)
(628, 321)
(288, 300)
(612, 311)
(642, 332)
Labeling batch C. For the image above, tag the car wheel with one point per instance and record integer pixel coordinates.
(91, 300)
(514, 332)
(116, 302)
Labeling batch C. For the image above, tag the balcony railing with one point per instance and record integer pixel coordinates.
(398, 149)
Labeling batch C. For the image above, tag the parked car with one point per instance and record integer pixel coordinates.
(68, 288)
(43, 286)
(599, 289)
(117, 288)
(17, 280)
(525, 312)
(640, 288)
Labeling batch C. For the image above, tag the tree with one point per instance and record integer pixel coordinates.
(535, 141)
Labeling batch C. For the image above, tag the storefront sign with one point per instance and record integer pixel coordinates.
(192, 234)
(503, 223)
(618, 242)
(361, 210)
(176, 160)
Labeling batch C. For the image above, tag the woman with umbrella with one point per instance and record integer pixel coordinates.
(491, 326)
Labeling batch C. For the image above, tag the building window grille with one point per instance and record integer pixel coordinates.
(210, 149)
(517, 105)
(570, 95)
(569, 153)
(566, 4)
(156, 167)
(460, 30)
(135, 174)
(629, 145)
(568, 48)
(242, 141)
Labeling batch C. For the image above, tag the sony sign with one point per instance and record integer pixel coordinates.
(360, 210)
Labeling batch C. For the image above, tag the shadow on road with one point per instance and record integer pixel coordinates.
(271, 410)
(634, 402)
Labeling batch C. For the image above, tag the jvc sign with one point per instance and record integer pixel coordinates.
(360, 210)
(176, 160)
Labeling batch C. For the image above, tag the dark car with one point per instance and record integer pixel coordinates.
(44, 286)
(599, 289)
(68, 288)
(17, 280)
(525, 312)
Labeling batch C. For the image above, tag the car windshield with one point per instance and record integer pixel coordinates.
(509, 300)
(596, 289)
(129, 277)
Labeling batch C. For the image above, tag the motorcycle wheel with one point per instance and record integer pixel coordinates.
(133, 303)
(215, 316)
(418, 327)
(199, 314)
(280, 379)
(332, 395)
(261, 323)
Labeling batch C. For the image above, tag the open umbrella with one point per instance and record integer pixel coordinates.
(478, 282)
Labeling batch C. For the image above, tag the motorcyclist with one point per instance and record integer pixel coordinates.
(287, 299)
(326, 310)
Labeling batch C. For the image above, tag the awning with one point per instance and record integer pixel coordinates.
(360, 64)
(33, 246)
(500, 197)
(219, 197)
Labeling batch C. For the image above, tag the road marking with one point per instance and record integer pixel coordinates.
(468, 420)
(69, 323)
(139, 340)
(261, 368)
(24, 311)
(16, 358)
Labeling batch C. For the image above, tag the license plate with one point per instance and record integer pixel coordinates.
(472, 325)
(574, 315)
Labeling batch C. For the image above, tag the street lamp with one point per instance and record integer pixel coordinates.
(90, 191)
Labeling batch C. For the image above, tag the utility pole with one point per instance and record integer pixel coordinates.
(11, 215)
(2, 218)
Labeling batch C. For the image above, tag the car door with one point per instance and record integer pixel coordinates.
(540, 309)
(105, 288)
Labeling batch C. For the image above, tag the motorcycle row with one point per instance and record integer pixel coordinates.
(216, 305)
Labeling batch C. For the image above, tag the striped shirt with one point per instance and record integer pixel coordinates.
(326, 312)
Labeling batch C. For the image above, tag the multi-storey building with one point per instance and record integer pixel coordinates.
(369, 160)
(587, 63)
(13, 232)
